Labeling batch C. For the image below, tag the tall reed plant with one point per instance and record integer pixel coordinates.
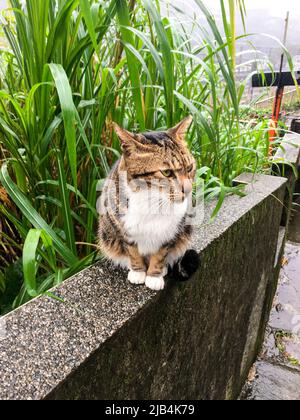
(68, 70)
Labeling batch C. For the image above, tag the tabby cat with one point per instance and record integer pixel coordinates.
(144, 206)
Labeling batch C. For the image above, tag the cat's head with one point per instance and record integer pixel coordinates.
(161, 160)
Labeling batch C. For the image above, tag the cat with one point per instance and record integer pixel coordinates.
(144, 206)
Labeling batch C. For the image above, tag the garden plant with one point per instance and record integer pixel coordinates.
(68, 70)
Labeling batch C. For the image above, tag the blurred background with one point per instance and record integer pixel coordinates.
(263, 17)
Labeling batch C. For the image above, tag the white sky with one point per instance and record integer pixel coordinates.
(276, 7)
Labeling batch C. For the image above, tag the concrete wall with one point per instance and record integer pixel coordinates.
(194, 340)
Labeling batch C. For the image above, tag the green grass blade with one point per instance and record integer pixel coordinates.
(85, 6)
(29, 261)
(133, 67)
(66, 208)
(33, 216)
(168, 59)
(69, 115)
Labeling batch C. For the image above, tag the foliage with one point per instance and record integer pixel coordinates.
(71, 68)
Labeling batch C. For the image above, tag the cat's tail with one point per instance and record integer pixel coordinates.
(186, 266)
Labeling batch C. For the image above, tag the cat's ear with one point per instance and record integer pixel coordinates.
(129, 142)
(179, 131)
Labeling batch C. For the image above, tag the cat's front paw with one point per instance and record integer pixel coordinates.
(136, 277)
(155, 283)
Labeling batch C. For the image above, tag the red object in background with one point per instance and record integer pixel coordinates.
(273, 125)
(279, 95)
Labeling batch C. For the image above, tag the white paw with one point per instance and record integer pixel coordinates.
(155, 283)
(137, 277)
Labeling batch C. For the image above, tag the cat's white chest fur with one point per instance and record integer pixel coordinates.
(152, 221)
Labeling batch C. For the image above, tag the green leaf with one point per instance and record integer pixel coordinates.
(168, 58)
(66, 205)
(219, 203)
(29, 261)
(69, 114)
(134, 72)
(85, 6)
(33, 216)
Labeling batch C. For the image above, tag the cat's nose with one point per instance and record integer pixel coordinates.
(186, 186)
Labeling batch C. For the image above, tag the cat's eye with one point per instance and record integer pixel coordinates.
(167, 173)
(190, 168)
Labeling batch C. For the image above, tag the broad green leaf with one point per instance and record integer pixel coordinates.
(134, 72)
(69, 115)
(30, 258)
(33, 216)
(85, 6)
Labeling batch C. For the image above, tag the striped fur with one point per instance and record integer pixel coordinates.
(144, 204)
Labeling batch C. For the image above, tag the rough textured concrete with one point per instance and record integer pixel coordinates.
(289, 148)
(294, 225)
(286, 163)
(275, 382)
(286, 311)
(111, 340)
(277, 373)
(276, 376)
